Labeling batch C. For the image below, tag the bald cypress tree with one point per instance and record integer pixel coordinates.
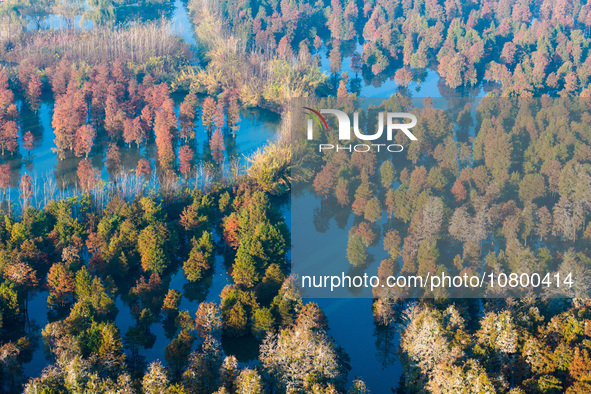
(356, 251)
(200, 257)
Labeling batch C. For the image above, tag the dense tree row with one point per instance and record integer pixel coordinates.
(111, 99)
(108, 100)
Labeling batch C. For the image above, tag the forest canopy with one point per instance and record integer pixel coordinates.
(161, 262)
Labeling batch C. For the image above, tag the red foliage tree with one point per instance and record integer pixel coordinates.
(508, 53)
(8, 116)
(8, 109)
(371, 29)
(30, 84)
(351, 11)
(99, 86)
(335, 57)
(28, 141)
(135, 101)
(208, 114)
(317, 42)
(459, 191)
(157, 95)
(134, 130)
(114, 117)
(26, 188)
(120, 75)
(113, 157)
(326, 180)
(164, 124)
(220, 117)
(87, 175)
(403, 77)
(9, 137)
(335, 19)
(34, 92)
(231, 231)
(3, 80)
(147, 83)
(186, 155)
(84, 140)
(143, 169)
(216, 143)
(187, 116)
(5, 175)
(60, 282)
(284, 48)
(147, 116)
(60, 77)
(69, 115)
(342, 90)
(24, 74)
(128, 132)
(304, 53)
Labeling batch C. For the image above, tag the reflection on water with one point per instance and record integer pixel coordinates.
(178, 16)
(37, 308)
(58, 22)
(373, 355)
(160, 332)
(373, 350)
(426, 82)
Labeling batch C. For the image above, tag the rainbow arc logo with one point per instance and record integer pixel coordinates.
(318, 118)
